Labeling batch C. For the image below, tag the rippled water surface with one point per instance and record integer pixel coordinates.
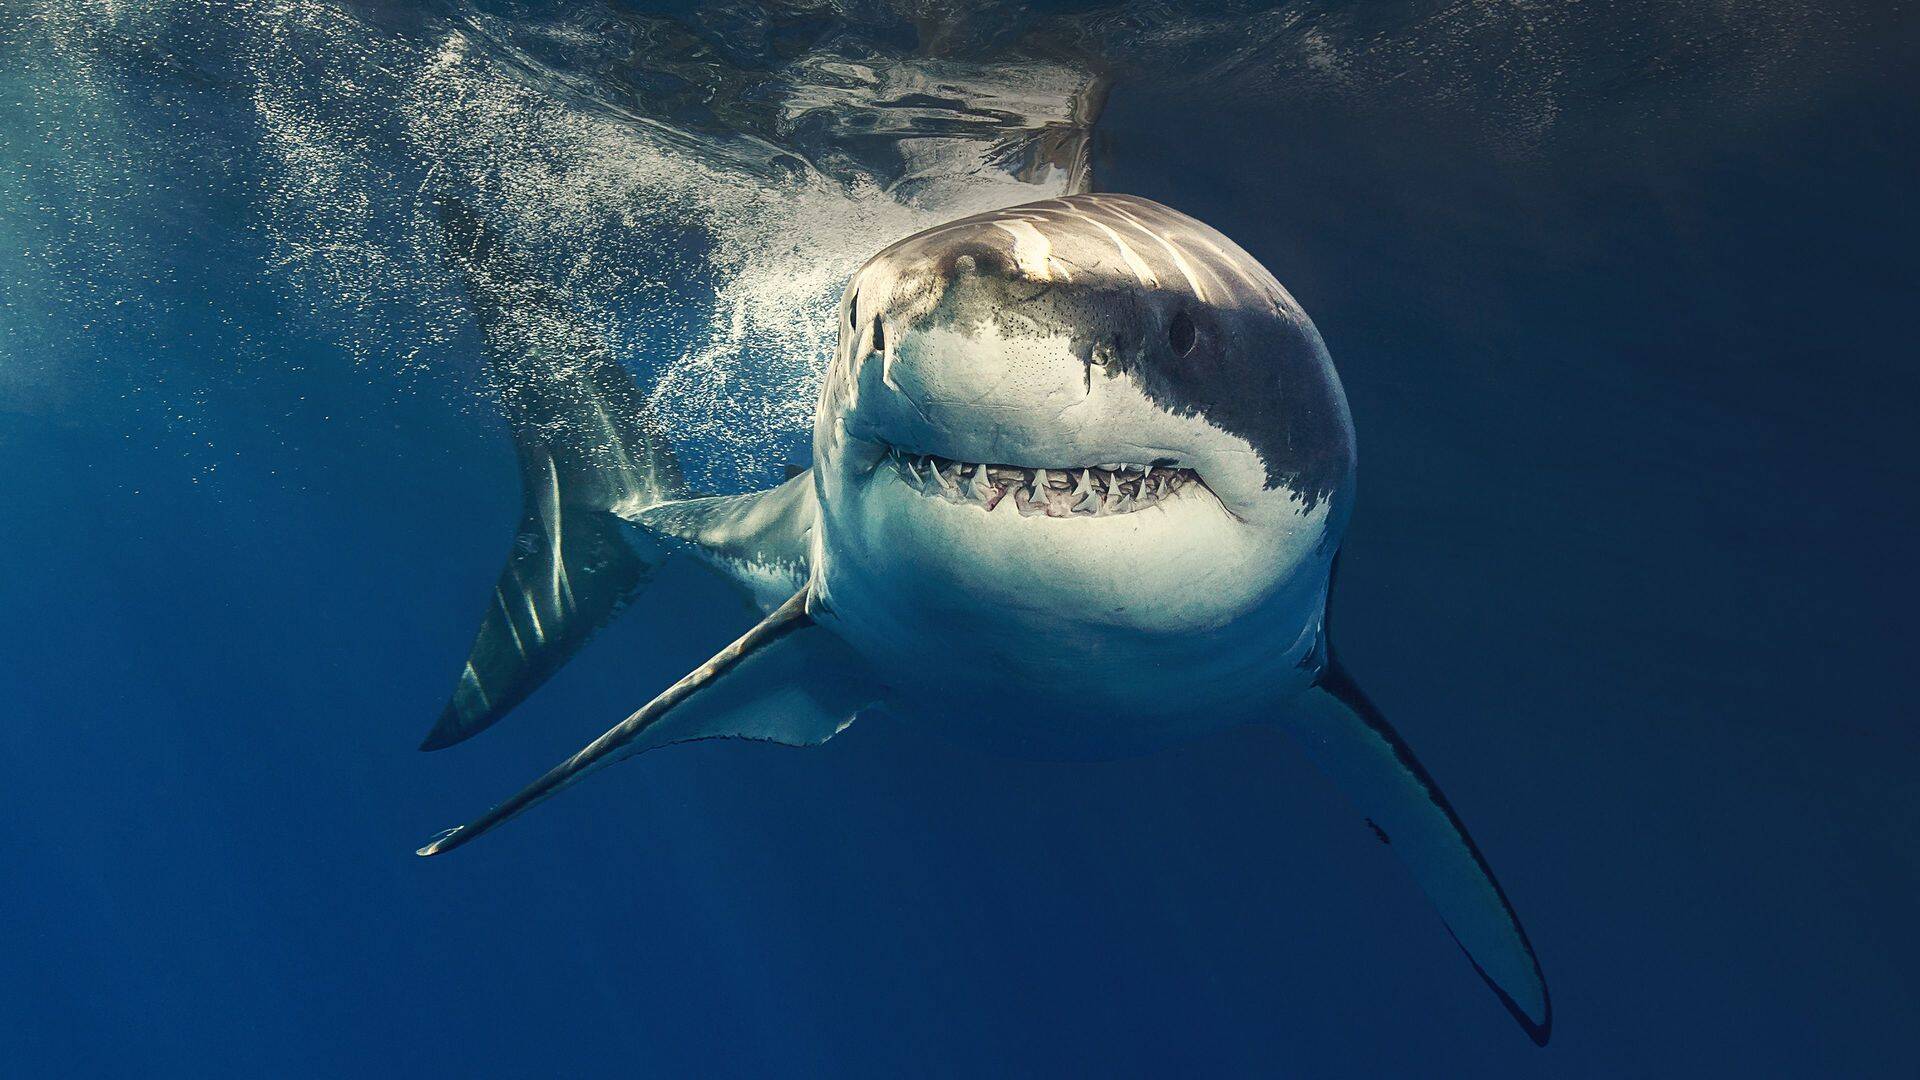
(1618, 294)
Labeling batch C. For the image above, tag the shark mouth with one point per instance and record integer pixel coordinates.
(1089, 491)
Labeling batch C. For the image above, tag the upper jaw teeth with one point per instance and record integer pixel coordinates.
(1090, 490)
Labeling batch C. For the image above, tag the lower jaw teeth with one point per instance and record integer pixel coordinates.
(1088, 492)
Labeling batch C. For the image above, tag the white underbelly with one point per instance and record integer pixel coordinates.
(1066, 637)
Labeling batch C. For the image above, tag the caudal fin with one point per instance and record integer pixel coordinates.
(590, 452)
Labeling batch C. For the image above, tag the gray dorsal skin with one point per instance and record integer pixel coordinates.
(761, 541)
(1089, 455)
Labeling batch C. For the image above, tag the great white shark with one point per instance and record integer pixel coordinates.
(1081, 470)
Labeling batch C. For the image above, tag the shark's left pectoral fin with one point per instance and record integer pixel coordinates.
(787, 680)
(1353, 743)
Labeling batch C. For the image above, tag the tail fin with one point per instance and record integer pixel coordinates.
(589, 450)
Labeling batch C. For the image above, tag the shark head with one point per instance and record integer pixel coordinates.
(1087, 412)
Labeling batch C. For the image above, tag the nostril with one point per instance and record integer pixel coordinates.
(879, 337)
(1181, 334)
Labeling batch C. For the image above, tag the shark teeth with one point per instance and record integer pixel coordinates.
(940, 476)
(978, 489)
(1079, 491)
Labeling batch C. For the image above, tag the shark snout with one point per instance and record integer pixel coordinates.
(1095, 329)
(977, 393)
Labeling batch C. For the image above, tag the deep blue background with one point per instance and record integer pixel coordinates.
(1630, 569)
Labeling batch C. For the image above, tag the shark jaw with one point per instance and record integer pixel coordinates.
(1063, 491)
(1062, 555)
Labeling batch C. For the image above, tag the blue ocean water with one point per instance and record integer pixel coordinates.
(1619, 298)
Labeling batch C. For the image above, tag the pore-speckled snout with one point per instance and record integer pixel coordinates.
(1086, 330)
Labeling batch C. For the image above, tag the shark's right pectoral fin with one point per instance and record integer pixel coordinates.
(1354, 745)
(787, 680)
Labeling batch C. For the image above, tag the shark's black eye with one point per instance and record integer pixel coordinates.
(853, 306)
(1180, 334)
(879, 337)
